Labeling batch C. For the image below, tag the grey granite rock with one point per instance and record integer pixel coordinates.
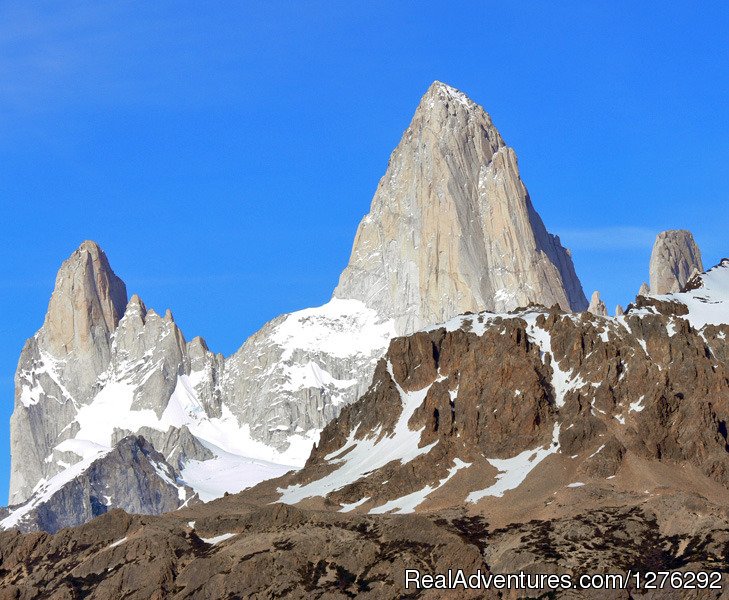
(59, 367)
(177, 445)
(452, 229)
(674, 260)
(597, 306)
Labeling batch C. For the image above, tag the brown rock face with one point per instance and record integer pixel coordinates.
(647, 386)
(233, 549)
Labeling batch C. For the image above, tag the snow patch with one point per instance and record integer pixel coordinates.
(218, 538)
(341, 328)
(408, 503)
(513, 471)
(227, 472)
(117, 543)
(350, 507)
(368, 454)
(637, 406)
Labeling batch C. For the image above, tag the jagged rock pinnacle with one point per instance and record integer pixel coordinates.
(86, 304)
(451, 228)
(674, 259)
(597, 306)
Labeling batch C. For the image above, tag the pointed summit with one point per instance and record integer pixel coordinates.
(597, 306)
(451, 228)
(442, 92)
(59, 367)
(87, 302)
(674, 260)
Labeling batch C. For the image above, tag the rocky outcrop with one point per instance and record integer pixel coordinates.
(133, 476)
(87, 302)
(597, 306)
(149, 352)
(585, 395)
(452, 229)
(60, 366)
(674, 260)
(177, 445)
(294, 375)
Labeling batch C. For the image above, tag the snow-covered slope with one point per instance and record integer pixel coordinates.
(706, 297)
(294, 375)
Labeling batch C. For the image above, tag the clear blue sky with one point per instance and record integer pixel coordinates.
(223, 153)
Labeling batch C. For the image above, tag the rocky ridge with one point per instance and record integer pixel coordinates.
(489, 404)
(132, 476)
(675, 259)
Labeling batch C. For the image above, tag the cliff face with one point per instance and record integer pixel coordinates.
(132, 476)
(59, 367)
(452, 228)
(674, 260)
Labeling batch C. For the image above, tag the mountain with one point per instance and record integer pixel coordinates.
(100, 370)
(451, 229)
(59, 366)
(538, 441)
(674, 260)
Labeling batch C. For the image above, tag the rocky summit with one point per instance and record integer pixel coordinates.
(675, 259)
(451, 229)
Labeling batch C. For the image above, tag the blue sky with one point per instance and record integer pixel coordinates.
(223, 153)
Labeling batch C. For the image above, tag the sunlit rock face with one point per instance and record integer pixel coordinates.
(452, 229)
(674, 260)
